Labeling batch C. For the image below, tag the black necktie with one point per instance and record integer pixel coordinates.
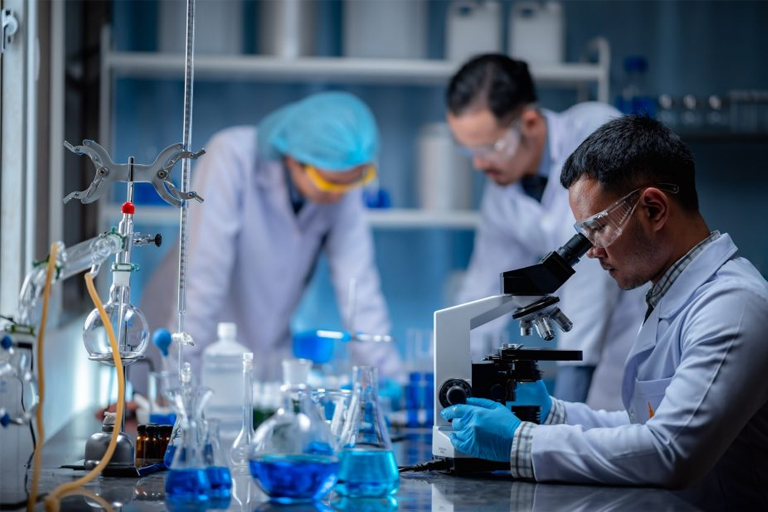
(533, 186)
(648, 312)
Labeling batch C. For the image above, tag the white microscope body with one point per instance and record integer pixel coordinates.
(526, 295)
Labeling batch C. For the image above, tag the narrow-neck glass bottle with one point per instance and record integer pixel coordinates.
(240, 449)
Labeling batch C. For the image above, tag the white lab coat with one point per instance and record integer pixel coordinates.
(699, 362)
(517, 231)
(251, 257)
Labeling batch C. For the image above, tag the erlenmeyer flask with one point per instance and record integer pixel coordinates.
(216, 465)
(187, 480)
(367, 466)
(292, 454)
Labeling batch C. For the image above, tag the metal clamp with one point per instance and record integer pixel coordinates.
(157, 173)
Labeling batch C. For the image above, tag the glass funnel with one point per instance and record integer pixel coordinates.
(367, 467)
(216, 465)
(187, 480)
(292, 454)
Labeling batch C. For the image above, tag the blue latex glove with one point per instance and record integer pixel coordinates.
(483, 428)
(534, 393)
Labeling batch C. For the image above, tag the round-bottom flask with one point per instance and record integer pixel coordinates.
(292, 455)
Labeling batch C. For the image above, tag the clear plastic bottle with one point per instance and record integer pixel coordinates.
(367, 467)
(221, 370)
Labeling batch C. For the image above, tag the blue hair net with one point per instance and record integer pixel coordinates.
(333, 131)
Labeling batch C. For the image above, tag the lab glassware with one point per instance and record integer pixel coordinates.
(221, 367)
(216, 465)
(188, 480)
(367, 467)
(292, 454)
(238, 455)
(332, 405)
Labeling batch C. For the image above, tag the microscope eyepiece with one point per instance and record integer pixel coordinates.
(574, 249)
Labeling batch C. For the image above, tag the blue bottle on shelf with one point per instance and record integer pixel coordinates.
(634, 97)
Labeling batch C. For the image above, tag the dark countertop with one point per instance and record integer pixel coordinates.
(429, 491)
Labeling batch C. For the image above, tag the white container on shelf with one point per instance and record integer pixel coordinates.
(385, 28)
(473, 27)
(287, 28)
(444, 174)
(537, 32)
(218, 27)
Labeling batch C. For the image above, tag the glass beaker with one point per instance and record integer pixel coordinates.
(292, 454)
(216, 465)
(187, 480)
(159, 409)
(332, 405)
(367, 467)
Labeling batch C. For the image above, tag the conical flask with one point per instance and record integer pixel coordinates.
(367, 467)
(187, 480)
(292, 454)
(216, 465)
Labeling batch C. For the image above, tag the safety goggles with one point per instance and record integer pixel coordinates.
(501, 150)
(368, 174)
(603, 228)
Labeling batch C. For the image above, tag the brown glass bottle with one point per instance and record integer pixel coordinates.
(141, 446)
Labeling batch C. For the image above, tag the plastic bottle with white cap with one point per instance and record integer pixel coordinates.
(221, 372)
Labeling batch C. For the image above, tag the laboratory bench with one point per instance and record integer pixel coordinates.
(429, 491)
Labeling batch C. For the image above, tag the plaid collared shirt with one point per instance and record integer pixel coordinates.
(657, 291)
(521, 459)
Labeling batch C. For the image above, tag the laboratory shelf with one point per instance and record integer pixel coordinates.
(394, 218)
(342, 69)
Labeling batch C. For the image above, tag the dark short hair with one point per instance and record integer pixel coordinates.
(493, 80)
(633, 151)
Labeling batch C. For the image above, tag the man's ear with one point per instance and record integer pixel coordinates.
(655, 205)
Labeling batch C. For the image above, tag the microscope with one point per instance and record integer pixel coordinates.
(526, 295)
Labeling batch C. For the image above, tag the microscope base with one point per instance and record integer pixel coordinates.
(460, 464)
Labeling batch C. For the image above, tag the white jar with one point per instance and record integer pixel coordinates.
(385, 28)
(444, 173)
(473, 28)
(537, 32)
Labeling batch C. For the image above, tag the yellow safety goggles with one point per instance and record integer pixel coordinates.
(368, 174)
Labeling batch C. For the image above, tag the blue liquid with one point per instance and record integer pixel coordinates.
(367, 473)
(168, 457)
(187, 485)
(221, 482)
(292, 478)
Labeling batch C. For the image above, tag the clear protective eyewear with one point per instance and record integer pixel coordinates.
(502, 149)
(603, 228)
(368, 174)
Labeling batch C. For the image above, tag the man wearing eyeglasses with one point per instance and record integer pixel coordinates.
(695, 389)
(276, 196)
(493, 115)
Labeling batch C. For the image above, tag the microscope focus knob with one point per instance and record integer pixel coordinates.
(454, 392)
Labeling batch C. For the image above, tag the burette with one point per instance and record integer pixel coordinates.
(181, 337)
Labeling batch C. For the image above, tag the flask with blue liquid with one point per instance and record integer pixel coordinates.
(187, 480)
(293, 453)
(367, 466)
(216, 465)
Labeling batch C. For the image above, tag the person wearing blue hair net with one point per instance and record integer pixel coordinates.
(277, 195)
